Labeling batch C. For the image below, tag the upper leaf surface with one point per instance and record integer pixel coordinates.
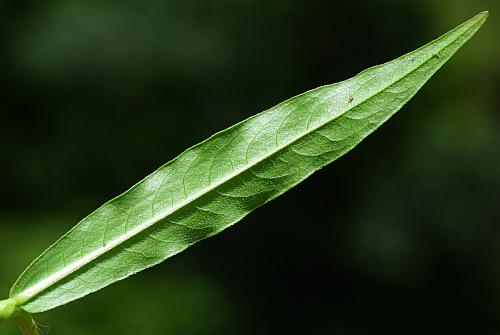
(217, 182)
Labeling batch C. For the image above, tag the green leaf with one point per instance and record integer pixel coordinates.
(216, 183)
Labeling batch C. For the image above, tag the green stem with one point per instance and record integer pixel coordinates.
(7, 309)
(10, 311)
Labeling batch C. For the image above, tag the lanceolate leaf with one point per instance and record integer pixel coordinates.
(216, 183)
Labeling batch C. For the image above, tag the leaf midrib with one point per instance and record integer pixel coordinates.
(47, 282)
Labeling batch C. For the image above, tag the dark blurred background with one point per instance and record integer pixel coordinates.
(402, 235)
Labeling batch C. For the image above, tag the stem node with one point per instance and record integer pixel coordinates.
(7, 309)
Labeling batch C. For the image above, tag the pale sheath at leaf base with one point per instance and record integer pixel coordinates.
(216, 183)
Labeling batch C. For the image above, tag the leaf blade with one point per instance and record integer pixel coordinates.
(216, 183)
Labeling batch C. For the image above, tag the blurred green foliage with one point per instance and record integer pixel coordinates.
(95, 95)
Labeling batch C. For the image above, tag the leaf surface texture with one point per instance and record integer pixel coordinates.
(216, 183)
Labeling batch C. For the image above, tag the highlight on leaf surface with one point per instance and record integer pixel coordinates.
(216, 183)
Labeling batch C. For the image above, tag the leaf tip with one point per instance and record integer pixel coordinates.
(477, 21)
(482, 16)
